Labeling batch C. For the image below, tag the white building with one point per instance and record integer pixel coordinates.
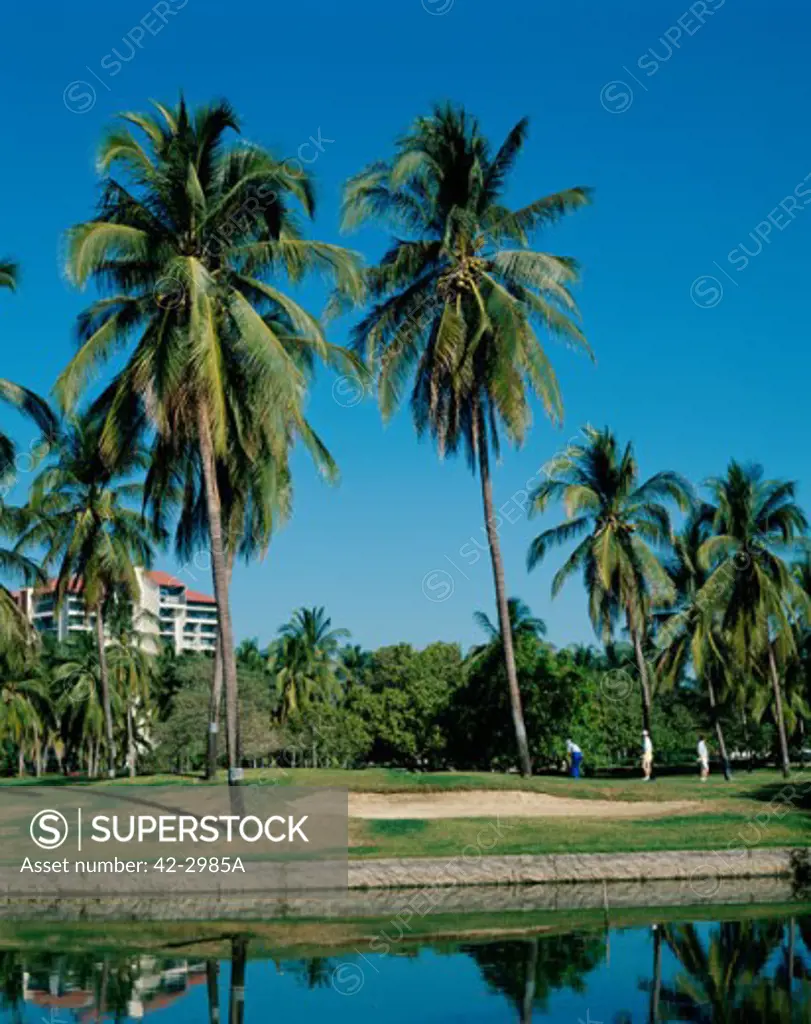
(165, 609)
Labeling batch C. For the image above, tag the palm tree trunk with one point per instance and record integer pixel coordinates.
(105, 692)
(745, 723)
(20, 761)
(220, 578)
(37, 753)
(130, 741)
(719, 732)
(501, 602)
(216, 693)
(642, 666)
(778, 714)
(214, 710)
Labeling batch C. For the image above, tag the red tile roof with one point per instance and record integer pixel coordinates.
(158, 576)
(164, 579)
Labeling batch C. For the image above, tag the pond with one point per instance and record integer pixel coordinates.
(738, 969)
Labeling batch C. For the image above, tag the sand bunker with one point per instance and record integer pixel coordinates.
(507, 804)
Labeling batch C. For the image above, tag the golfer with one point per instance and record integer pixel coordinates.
(703, 758)
(647, 755)
(576, 758)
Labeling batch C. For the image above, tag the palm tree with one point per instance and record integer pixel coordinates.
(305, 658)
(23, 704)
(353, 663)
(15, 629)
(624, 521)
(183, 245)
(81, 709)
(250, 656)
(83, 518)
(457, 312)
(689, 630)
(132, 667)
(755, 523)
(522, 623)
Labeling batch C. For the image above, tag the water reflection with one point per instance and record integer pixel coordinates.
(701, 972)
(744, 971)
(527, 971)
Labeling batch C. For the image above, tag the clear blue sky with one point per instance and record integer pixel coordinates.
(714, 139)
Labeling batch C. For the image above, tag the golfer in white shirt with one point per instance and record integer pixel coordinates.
(647, 755)
(703, 758)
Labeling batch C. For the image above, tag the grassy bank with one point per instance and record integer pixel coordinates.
(330, 937)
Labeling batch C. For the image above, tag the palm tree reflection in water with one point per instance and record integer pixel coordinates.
(727, 973)
(747, 971)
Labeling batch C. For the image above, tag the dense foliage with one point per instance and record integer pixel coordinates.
(427, 709)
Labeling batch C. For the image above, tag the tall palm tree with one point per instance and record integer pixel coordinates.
(689, 630)
(625, 521)
(84, 519)
(189, 232)
(457, 300)
(756, 525)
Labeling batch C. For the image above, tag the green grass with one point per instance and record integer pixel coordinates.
(449, 837)
(726, 817)
(761, 784)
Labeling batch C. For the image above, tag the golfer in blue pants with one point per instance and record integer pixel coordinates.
(576, 755)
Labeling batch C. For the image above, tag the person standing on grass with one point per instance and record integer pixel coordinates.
(647, 755)
(575, 757)
(703, 758)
